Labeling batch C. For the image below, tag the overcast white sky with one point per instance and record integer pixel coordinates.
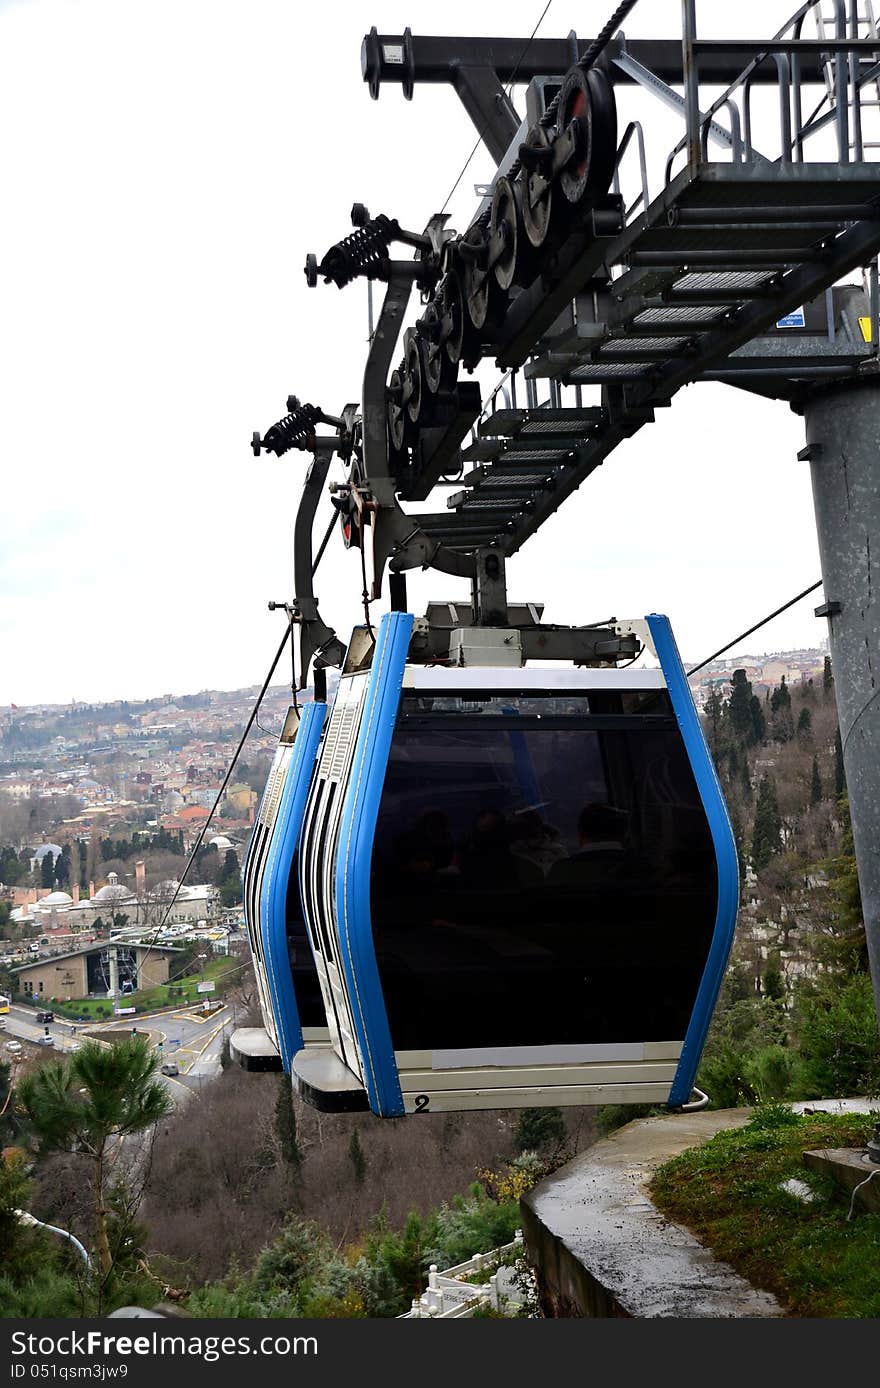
(164, 169)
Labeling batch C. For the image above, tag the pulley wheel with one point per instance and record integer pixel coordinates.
(396, 414)
(414, 378)
(603, 147)
(462, 343)
(537, 198)
(517, 259)
(478, 282)
(576, 120)
(439, 371)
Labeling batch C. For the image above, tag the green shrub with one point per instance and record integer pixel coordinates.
(539, 1128)
(294, 1258)
(773, 1073)
(835, 1025)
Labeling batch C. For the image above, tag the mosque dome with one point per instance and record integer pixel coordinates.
(112, 892)
(44, 848)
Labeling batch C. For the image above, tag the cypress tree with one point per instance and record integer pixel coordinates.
(732, 763)
(759, 722)
(739, 706)
(815, 784)
(47, 871)
(827, 679)
(774, 982)
(358, 1160)
(767, 830)
(805, 724)
(781, 697)
(714, 711)
(745, 779)
(285, 1123)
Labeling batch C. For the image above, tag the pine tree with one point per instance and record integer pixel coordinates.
(815, 784)
(767, 830)
(827, 679)
(739, 706)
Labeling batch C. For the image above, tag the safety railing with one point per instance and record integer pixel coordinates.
(845, 49)
(450, 1294)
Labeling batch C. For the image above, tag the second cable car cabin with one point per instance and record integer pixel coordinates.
(519, 885)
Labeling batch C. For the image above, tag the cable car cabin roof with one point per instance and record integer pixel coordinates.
(529, 677)
(515, 900)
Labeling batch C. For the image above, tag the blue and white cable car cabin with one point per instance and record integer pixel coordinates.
(287, 983)
(519, 884)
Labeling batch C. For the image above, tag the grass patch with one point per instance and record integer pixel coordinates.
(727, 1192)
(91, 1009)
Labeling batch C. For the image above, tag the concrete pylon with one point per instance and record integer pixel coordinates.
(113, 991)
(843, 447)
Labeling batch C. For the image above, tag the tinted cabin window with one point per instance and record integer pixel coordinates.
(302, 964)
(543, 872)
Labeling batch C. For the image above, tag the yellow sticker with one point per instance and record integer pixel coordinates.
(865, 325)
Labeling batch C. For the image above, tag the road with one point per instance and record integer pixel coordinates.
(185, 1039)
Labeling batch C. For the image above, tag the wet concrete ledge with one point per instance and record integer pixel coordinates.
(603, 1250)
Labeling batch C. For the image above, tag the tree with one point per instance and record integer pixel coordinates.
(229, 881)
(815, 784)
(357, 1158)
(767, 830)
(539, 1128)
(805, 725)
(739, 707)
(62, 867)
(285, 1122)
(714, 710)
(781, 720)
(47, 871)
(774, 981)
(759, 722)
(78, 1105)
(827, 680)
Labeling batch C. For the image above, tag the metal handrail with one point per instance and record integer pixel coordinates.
(788, 61)
(634, 128)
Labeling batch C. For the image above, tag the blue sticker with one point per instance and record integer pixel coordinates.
(795, 319)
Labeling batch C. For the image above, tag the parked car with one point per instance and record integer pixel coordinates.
(14, 1047)
(45, 1041)
(45, 1016)
(170, 1069)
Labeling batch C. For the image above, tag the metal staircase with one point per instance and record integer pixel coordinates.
(712, 264)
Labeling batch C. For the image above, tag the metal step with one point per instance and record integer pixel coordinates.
(709, 267)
